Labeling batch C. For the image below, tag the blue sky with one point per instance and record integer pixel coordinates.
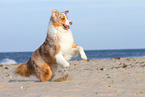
(97, 24)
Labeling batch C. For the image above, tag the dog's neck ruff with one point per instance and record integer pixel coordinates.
(55, 31)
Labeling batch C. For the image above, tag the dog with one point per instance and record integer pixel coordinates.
(58, 48)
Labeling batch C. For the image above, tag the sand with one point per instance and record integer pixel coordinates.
(119, 77)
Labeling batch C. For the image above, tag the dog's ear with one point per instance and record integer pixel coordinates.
(66, 12)
(55, 13)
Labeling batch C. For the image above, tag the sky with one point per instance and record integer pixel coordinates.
(97, 24)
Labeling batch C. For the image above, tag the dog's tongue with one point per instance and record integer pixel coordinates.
(66, 26)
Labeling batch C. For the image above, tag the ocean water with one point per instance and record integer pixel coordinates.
(20, 57)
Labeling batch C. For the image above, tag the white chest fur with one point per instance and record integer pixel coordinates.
(65, 40)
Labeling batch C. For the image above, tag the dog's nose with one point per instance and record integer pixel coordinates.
(70, 23)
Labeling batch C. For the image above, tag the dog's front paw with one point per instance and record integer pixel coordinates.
(66, 65)
(84, 57)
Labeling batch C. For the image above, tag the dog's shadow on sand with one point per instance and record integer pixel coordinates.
(13, 81)
(61, 79)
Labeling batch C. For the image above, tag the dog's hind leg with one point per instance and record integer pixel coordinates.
(43, 73)
(54, 71)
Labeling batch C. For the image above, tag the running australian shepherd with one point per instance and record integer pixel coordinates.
(58, 48)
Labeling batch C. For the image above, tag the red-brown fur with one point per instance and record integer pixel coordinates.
(41, 61)
(24, 70)
(74, 45)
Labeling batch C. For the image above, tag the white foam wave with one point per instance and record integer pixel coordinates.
(8, 61)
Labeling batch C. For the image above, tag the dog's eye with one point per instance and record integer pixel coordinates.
(63, 18)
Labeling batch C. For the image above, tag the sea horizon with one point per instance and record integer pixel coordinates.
(84, 50)
(21, 57)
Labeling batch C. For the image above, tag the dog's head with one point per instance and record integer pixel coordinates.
(60, 19)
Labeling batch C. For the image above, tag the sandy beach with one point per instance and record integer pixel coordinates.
(118, 77)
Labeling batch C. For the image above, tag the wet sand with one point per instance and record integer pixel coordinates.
(119, 77)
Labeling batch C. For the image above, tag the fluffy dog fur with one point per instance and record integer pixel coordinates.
(58, 48)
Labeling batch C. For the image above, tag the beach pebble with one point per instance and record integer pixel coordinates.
(108, 77)
(22, 87)
(102, 69)
(6, 68)
(117, 58)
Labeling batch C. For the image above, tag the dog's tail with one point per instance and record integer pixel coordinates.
(24, 70)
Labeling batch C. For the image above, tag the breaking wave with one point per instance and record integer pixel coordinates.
(8, 61)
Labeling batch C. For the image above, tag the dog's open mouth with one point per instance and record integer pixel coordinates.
(66, 26)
